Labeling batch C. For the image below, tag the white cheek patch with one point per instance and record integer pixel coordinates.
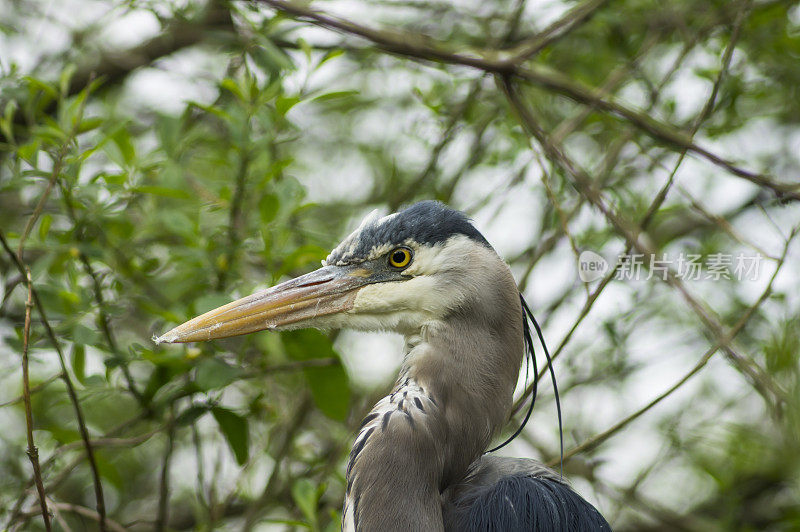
(450, 255)
(418, 293)
(436, 286)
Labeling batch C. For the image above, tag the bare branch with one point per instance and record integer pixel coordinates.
(573, 19)
(33, 452)
(103, 318)
(495, 61)
(41, 386)
(163, 486)
(289, 431)
(595, 440)
(85, 512)
(586, 186)
(73, 396)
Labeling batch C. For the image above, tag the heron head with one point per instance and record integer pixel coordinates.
(392, 273)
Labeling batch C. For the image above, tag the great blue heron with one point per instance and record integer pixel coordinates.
(417, 463)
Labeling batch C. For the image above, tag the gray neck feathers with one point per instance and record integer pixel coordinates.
(453, 394)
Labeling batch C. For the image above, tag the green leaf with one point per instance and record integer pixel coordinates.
(190, 415)
(212, 109)
(210, 302)
(29, 151)
(334, 525)
(302, 257)
(44, 226)
(7, 121)
(306, 47)
(115, 179)
(306, 496)
(268, 207)
(83, 335)
(213, 373)
(66, 75)
(122, 139)
(42, 86)
(163, 191)
(160, 376)
(283, 104)
(79, 363)
(330, 389)
(290, 522)
(50, 134)
(231, 86)
(234, 428)
(307, 344)
(271, 58)
(88, 124)
(335, 95)
(330, 386)
(333, 54)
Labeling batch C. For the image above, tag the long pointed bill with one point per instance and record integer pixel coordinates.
(329, 290)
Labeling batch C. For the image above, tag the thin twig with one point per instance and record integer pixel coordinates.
(561, 132)
(448, 133)
(721, 222)
(254, 510)
(73, 396)
(235, 216)
(58, 165)
(57, 517)
(761, 380)
(54, 483)
(39, 387)
(67, 469)
(663, 191)
(85, 512)
(163, 489)
(418, 46)
(727, 338)
(103, 319)
(572, 19)
(33, 452)
(201, 475)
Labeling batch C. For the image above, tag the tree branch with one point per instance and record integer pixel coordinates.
(33, 452)
(585, 186)
(595, 440)
(113, 67)
(73, 396)
(497, 62)
(573, 19)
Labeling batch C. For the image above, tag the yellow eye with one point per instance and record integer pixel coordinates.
(400, 257)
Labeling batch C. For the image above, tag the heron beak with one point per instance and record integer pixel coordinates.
(329, 290)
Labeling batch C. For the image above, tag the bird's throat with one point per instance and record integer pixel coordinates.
(438, 419)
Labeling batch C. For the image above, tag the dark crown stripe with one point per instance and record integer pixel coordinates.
(427, 222)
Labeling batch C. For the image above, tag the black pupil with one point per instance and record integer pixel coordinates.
(398, 256)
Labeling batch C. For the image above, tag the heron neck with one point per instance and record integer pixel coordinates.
(453, 394)
(470, 366)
